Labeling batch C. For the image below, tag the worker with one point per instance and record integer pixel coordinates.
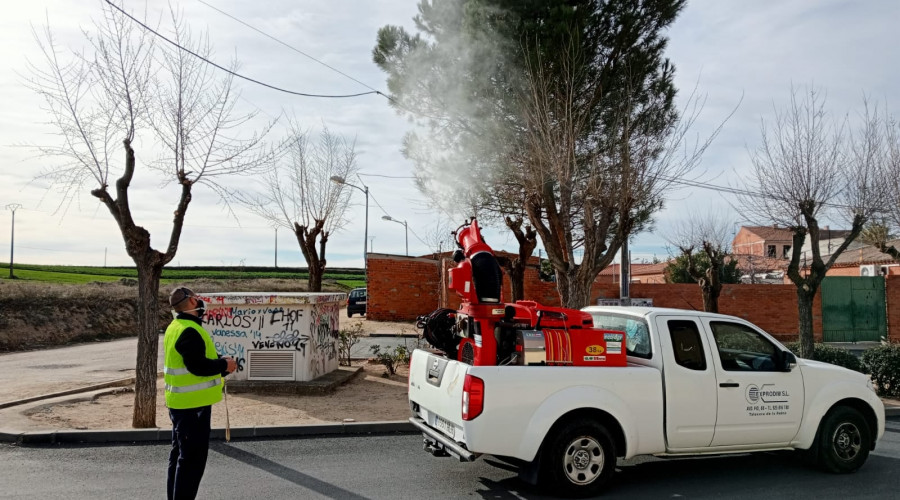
(193, 376)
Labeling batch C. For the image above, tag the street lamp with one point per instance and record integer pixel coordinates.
(12, 207)
(337, 179)
(405, 230)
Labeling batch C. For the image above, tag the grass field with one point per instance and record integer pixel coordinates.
(349, 278)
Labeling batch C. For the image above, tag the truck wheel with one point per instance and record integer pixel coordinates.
(349, 314)
(844, 440)
(580, 460)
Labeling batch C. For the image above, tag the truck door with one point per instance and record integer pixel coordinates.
(690, 383)
(758, 403)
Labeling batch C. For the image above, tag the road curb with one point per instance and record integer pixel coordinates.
(157, 434)
(73, 436)
(105, 385)
(395, 335)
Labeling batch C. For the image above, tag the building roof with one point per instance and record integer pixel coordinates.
(768, 233)
(864, 255)
(636, 269)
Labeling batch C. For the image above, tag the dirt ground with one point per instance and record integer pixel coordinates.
(369, 327)
(368, 397)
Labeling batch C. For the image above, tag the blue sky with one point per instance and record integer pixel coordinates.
(733, 51)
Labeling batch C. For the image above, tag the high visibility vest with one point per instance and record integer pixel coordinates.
(184, 389)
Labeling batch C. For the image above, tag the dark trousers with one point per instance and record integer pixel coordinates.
(190, 447)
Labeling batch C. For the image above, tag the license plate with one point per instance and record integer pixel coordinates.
(444, 426)
(361, 302)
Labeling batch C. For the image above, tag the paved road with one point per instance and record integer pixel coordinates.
(394, 466)
(34, 373)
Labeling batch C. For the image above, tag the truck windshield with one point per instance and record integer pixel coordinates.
(636, 332)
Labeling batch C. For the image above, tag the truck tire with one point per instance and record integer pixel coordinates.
(580, 459)
(349, 314)
(843, 441)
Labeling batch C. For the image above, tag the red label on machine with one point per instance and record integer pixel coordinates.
(585, 347)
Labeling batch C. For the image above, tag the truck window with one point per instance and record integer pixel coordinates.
(742, 348)
(687, 345)
(637, 336)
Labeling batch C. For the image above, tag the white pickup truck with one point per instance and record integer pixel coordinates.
(696, 383)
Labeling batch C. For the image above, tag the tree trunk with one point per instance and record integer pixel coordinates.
(515, 268)
(805, 311)
(516, 272)
(574, 288)
(314, 283)
(710, 294)
(144, 415)
(307, 237)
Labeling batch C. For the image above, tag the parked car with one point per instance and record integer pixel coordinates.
(356, 302)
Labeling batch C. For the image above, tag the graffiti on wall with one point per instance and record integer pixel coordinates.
(310, 330)
(323, 332)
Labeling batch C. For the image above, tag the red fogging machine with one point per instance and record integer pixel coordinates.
(485, 331)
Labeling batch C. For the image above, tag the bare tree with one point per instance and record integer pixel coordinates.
(438, 237)
(299, 194)
(129, 89)
(593, 182)
(492, 196)
(809, 168)
(706, 235)
(881, 232)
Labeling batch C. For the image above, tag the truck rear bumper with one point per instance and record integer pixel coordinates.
(452, 447)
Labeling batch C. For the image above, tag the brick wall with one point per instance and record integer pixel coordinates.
(401, 288)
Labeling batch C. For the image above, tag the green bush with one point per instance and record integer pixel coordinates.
(829, 354)
(391, 359)
(347, 339)
(883, 363)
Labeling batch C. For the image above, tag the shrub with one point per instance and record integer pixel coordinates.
(883, 363)
(829, 354)
(346, 340)
(391, 359)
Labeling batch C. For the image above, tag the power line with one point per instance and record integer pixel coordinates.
(233, 73)
(263, 33)
(740, 192)
(386, 96)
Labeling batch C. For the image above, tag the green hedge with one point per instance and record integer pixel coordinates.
(833, 355)
(883, 363)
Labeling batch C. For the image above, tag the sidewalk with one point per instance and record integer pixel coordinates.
(79, 373)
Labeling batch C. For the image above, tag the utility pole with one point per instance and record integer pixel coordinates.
(371, 244)
(104, 256)
(625, 275)
(12, 207)
(365, 189)
(405, 230)
(276, 246)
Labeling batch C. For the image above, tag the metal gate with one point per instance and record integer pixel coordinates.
(853, 309)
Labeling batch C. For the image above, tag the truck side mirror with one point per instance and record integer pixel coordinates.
(788, 361)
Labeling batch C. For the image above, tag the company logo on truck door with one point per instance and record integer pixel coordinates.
(594, 349)
(767, 401)
(767, 394)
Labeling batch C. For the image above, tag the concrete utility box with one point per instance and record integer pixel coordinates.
(275, 336)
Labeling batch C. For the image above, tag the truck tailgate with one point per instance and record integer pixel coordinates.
(435, 392)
